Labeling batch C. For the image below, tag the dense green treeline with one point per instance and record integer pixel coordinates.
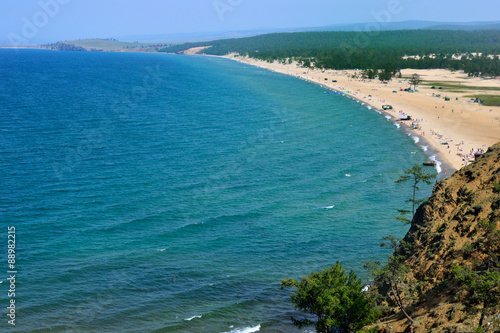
(406, 41)
(378, 49)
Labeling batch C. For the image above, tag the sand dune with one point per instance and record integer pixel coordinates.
(195, 50)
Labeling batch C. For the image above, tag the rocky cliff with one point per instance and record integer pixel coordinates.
(456, 227)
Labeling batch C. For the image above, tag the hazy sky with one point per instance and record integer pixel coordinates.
(52, 20)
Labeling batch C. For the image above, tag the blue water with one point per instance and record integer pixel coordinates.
(164, 193)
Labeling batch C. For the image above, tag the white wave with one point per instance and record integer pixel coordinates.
(368, 107)
(246, 330)
(379, 112)
(193, 317)
(416, 139)
(388, 117)
(438, 164)
(424, 148)
(329, 207)
(363, 104)
(397, 125)
(161, 250)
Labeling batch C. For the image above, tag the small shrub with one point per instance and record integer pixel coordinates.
(464, 195)
(442, 228)
(495, 204)
(474, 210)
(468, 249)
(496, 187)
(488, 225)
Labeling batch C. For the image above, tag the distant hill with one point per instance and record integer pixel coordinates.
(113, 45)
(63, 47)
(404, 25)
(414, 25)
(178, 38)
(490, 26)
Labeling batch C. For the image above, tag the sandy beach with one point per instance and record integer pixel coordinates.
(456, 128)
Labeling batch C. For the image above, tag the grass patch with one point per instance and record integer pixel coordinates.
(489, 100)
(108, 45)
(457, 87)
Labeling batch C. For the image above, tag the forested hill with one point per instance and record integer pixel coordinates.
(378, 49)
(407, 41)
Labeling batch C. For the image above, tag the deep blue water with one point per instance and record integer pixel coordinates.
(149, 189)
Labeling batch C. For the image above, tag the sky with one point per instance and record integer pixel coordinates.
(33, 21)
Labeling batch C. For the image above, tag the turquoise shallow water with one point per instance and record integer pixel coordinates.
(164, 193)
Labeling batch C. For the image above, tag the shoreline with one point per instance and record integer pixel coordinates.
(402, 126)
(442, 166)
(471, 128)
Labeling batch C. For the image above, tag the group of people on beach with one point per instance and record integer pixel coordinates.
(469, 157)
